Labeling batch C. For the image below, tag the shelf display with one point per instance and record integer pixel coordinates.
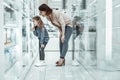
(92, 14)
(18, 39)
(33, 40)
(10, 56)
(24, 37)
(10, 36)
(9, 17)
(10, 33)
(87, 14)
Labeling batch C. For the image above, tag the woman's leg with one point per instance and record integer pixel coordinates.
(64, 48)
(60, 45)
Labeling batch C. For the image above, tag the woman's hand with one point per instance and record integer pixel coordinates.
(60, 35)
(42, 45)
(62, 38)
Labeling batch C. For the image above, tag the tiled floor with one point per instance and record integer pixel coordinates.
(68, 72)
(51, 72)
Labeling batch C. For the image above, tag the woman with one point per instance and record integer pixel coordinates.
(64, 24)
(40, 31)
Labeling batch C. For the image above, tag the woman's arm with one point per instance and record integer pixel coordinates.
(62, 23)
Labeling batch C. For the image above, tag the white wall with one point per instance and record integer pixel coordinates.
(43, 1)
(101, 32)
(55, 3)
(104, 33)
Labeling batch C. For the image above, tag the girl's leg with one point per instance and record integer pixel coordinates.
(41, 52)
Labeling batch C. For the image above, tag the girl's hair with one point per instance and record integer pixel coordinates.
(40, 22)
(46, 8)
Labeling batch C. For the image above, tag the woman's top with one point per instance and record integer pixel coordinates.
(60, 20)
(42, 35)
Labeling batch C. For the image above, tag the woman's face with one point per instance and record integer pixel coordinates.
(43, 13)
(35, 22)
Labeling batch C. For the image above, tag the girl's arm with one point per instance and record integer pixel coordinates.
(35, 31)
(46, 37)
(42, 36)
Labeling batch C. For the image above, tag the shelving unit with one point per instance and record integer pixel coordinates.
(18, 39)
(85, 44)
(10, 26)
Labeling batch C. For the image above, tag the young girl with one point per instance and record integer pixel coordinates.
(40, 31)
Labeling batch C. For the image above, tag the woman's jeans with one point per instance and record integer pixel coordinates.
(64, 45)
(41, 52)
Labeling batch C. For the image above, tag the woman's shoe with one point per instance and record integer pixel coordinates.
(57, 61)
(61, 62)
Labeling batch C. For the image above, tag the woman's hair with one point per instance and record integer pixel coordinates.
(46, 8)
(40, 22)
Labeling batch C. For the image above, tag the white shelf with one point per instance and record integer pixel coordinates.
(12, 44)
(7, 5)
(16, 23)
(10, 26)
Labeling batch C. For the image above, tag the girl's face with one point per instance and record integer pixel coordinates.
(43, 13)
(35, 22)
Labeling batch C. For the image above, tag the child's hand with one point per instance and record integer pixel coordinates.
(42, 45)
(33, 29)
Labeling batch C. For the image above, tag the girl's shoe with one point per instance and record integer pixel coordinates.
(41, 63)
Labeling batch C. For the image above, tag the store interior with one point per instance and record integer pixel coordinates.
(95, 45)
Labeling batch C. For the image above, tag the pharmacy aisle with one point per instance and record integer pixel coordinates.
(18, 40)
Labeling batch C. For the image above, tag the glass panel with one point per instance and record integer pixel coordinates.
(10, 35)
(116, 32)
(10, 47)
